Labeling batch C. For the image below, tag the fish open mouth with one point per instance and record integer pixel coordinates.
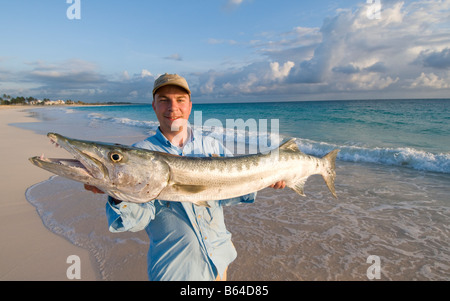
(71, 163)
(80, 168)
(69, 168)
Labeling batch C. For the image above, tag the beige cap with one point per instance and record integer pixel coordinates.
(171, 79)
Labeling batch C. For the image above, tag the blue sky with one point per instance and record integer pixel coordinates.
(229, 50)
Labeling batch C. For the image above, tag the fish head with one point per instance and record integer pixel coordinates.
(125, 172)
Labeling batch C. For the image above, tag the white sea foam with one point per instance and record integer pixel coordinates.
(152, 125)
(402, 156)
(394, 213)
(262, 140)
(283, 236)
(383, 209)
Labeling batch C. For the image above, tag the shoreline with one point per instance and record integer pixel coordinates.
(7, 107)
(29, 250)
(392, 212)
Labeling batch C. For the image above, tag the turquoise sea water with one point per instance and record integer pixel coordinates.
(409, 133)
(393, 176)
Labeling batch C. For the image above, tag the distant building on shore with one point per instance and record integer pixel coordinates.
(54, 102)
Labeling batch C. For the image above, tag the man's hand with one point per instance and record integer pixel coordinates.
(278, 185)
(96, 190)
(92, 189)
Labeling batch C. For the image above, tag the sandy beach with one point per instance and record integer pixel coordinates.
(396, 213)
(29, 251)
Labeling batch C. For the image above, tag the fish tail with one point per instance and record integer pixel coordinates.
(330, 171)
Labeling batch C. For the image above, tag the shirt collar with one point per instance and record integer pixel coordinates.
(164, 141)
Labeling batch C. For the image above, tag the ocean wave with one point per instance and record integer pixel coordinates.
(261, 141)
(402, 156)
(152, 125)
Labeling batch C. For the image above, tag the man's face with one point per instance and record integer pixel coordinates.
(170, 104)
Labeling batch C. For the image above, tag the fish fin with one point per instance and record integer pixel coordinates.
(203, 204)
(289, 145)
(330, 172)
(189, 188)
(299, 187)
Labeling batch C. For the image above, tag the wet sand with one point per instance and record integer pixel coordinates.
(29, 251)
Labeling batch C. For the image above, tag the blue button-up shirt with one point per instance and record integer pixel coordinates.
(187, 242)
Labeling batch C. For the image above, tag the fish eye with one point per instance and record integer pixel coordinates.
(115, 157)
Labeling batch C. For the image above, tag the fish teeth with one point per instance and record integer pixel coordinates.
(56, 144)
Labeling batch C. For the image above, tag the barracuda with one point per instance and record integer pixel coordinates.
(138, 175)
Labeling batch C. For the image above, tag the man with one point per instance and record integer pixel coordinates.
(187, 242)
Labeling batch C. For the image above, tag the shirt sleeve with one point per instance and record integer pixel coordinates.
(128, 216)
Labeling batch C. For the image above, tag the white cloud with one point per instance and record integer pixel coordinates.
(80, 80)
(133, 94)
(350, 52)
(279, 73)
(174, 57)
(145, 73)
(406, 50)
(371, 81)
(209, 86)
(65, 74)
(125, 75)
(387, 16)
(431, 80)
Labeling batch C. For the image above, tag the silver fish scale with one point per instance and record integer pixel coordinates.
(138, 175)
